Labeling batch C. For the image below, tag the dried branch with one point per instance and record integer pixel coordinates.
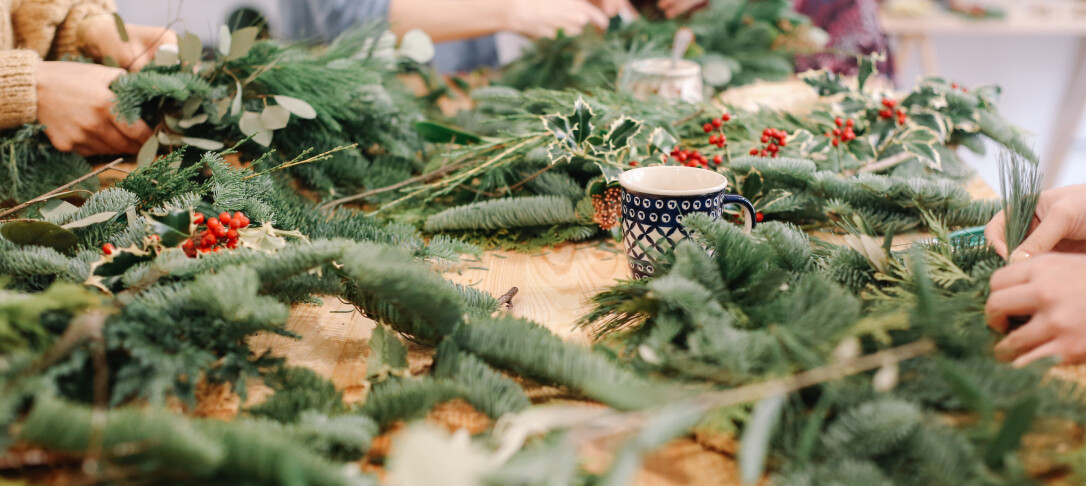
(49, 194)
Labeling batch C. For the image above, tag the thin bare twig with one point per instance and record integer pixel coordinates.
(506, 300)
(682, 121)
(423, 178)
(315, 158)
(49, 194)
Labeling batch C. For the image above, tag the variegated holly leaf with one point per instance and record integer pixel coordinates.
(825, 82)
(559, 126)
(388, 356)
(774, 201)
(171, 227)
(660, 141)
(622, 133)
(265, 238)
(581, 121)
(752, 185)
(107, 271)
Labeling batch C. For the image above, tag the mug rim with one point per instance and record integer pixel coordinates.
(625, 180)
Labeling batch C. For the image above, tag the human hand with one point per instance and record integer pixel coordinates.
(535, 18)
(75, 105)
(1059, 224)
(101, 40)
(675, 8)
(611, 8)
(1049, 288)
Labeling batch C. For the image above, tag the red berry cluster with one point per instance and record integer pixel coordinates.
(774, 139)
(843, 133)
(717, 124)
(221, 230)
(693, 158)
(888, 111)
(955, 86)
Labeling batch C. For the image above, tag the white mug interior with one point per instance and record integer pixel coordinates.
(672, 181)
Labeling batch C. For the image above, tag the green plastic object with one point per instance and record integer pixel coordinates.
(968, 236)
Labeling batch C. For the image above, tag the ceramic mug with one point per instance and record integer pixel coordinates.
(654, 202)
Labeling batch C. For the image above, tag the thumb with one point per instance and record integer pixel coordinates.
(1043, 239)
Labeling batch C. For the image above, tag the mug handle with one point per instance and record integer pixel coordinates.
(748, 210)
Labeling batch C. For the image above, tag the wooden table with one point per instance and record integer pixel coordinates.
(910, 32)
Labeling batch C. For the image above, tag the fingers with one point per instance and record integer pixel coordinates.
(675, 8)
(1021, 300)
(1051, 349)
(138, 132)
(1010, 276)
(1044, 238)
(1032, 335)
(994, 232)
(594, 16)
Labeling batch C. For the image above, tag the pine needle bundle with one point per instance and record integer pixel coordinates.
(1020, 185)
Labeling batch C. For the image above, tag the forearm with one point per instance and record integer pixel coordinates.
(446, 20)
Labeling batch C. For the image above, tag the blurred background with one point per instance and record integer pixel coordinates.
(1034, 49)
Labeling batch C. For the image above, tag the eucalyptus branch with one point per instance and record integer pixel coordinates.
(46, 196)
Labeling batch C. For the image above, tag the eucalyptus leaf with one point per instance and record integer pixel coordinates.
(167, 138)
(298, 107)
(275, 117)
(147, 152)
(222, 107)
(235, 107)
(166, 55)
(250, 123)
(191, 106)
(241, 42)
(191, 49)
(755, 442)
(92, 219)
(193, 121)
(437, 133)
(417, 46)
(39, 233)
(202, 143)
(122, 31)
(263, 138)
(224, 40)
(56, 209)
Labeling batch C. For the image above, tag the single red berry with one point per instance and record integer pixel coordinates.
(954, 85)
(965, 90)
(633, 163)
(208, 240)
(885, 113)
(232, 244)
(759, 216)
(188, 244)
(223, 216)
(771, 148)
(717, 123)
(836, 142)
(889, 103)
(725, 117)
(708, 127)
(754, 151)
(721, 142)
(828, 134)
(763, 153)
(718, 160)
(767, 132)
(198, 218)
(838, 121)
(681, 157)
(219, 231)
(213, 222)
(782, 142)
(232, 234)
(712, 139)
(244, 220)
(108, 248)
(765, 138)
(837, 132)
(850, 123)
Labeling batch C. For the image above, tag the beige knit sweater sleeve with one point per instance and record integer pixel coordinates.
(32, 30)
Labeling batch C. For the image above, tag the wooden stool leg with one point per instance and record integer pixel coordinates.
(903, 54)
(1073, 106)
(927, 55)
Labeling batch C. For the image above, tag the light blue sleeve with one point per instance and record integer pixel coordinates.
(323, 20)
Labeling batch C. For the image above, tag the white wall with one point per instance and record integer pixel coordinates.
(1033, 71)
(201, 17)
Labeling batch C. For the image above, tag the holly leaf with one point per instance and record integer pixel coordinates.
(241, 42)
(559, 127)
(752, 185)
(610, 172)
(660, 141)
(106, 272)
(868, 67)
(265, 238)
(438, 133)
(581, 120)
(825, 82)
(172, 227)
(622, 132)
(92, 219)
(39, 233)
(932, 121)
(298, 107)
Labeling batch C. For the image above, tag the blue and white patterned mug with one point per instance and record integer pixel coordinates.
(654, 202)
